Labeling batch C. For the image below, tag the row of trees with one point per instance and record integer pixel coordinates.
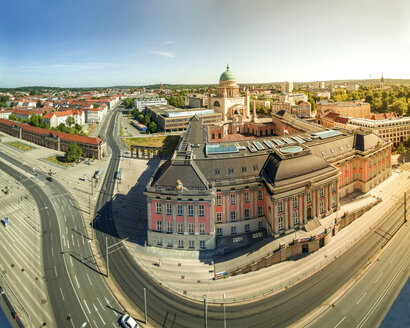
(37, 120)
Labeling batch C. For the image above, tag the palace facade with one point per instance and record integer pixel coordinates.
(226, 195)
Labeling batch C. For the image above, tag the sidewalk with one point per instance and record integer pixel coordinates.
(184, 273)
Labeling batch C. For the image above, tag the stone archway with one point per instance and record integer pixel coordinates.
(309, 213)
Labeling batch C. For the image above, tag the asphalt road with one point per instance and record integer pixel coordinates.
(77, 291)
(368, 302)
(166, 309)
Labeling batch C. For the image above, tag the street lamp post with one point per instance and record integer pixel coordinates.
(405, 209)
(145, 304)
(106, 251)
(205, 313)
(224, 296)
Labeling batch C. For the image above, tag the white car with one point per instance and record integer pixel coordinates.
(128, 322)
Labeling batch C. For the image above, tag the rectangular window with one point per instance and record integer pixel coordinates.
(246, 196)
(169, 242)
(247, 228)
(218, 217)
(295, 202)
(218, 200)
(202, 243)
(280, 222)
(260, 225)
(159, 226)
(158, 208)
(201, 210)
(202, 228)
(219, 231)
(333, 202)
(180, 243)
(180, 227)
(230, 170)
(280, 206)
(233, 216)
(260, 210)
(243, 169)
(321, 191)
(308, 197)
(169, 227)
(216, 171)
(295, 217)
(179, 209)
(233, 230)
(246, 213)
(191, 244)
(191, 228)
(233, 199)
(333, 186)
(190, 210)
(260, 194)
(159, 241)
(169, 209)
(321, 206)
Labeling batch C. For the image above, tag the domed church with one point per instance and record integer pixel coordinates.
(228, 101)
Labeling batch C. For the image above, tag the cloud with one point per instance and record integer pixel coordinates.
(170, 42)
(162, 53)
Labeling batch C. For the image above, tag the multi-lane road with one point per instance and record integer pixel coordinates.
(77, 291)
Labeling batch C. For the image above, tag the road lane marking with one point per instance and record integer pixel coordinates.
(361, 298)
(55, 270)
(52, 252)
(77, 281)
(65, 219)
(96, 310)
(49, 223)
(78, 243)
(378, 277)
(100, 304)
(89, 279)
(61, 291)
(339, 322)
(51, 236)
(392, 259)
(66, 230)
(85, 303)
(83, 241)
(72, 238)
(71, 260)
(106, 300)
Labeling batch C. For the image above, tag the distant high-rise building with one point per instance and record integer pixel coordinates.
(287, 87)
(319, 85)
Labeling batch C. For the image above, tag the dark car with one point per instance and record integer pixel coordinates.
(49, 179)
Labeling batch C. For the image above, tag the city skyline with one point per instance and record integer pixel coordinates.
(108, 43)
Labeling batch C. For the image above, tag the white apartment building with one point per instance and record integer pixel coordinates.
(140, 104)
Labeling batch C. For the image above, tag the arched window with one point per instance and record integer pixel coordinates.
(216, 104)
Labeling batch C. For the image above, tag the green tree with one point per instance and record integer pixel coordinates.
(152, 127)
(399, 107)
(12, 117)
(96, 105)
(47, 126)
(177, 101)
(147, 119)
(129, 103)
(36, 120)
(70, 121)
(38, 103)
(73, 153)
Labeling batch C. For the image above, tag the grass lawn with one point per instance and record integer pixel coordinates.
(169, 142)
(91, 128)
(60, 160)
(19, 145)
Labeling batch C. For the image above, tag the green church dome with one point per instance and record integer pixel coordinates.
(227, 75)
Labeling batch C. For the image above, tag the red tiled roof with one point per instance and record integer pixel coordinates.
(342, 119)
(63, 136)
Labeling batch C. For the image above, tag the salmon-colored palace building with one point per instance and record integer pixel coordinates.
(225, 195)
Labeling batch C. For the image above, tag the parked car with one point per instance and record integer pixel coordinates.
(128, 322)
(50, 179)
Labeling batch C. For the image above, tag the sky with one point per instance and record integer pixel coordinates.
(86, 43)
